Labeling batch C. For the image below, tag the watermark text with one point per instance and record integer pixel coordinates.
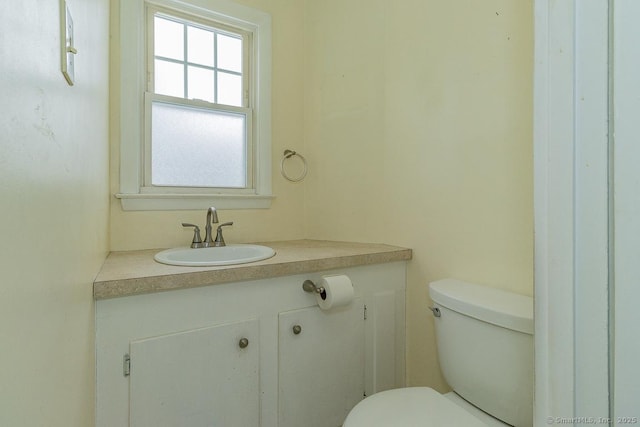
(591, 420)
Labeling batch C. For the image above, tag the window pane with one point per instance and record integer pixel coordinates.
(197, 148)
(200, 46)
(169, 78)
(168, 39)
(201, 84)
(229, 53)
(229, 89)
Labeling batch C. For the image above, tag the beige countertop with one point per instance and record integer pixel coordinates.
(136, 272)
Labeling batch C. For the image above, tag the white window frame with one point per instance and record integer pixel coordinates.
(133, 84)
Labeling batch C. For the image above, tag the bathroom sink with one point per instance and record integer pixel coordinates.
(224, 255)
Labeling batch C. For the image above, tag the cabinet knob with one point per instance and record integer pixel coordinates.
(244, 343)
(297, 329)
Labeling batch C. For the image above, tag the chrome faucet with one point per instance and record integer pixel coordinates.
(212, 217)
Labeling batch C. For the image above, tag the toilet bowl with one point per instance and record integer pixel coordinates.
(486, 419)
(485, 347)
(412, 406)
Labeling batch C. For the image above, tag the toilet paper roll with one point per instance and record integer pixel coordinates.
(338, 292)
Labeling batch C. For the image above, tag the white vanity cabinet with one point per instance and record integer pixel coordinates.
(197, 378)
(320, 363)
(250, 353)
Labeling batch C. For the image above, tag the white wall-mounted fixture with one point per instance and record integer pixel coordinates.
(67, 43)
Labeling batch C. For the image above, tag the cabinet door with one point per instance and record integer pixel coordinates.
(197, 378)
(321, 368)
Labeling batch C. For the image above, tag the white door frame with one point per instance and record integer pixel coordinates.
(625, 294)
(571, 209)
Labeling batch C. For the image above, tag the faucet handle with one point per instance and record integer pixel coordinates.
(197, 240)
(219, 241)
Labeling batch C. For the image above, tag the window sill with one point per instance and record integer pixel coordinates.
(172, 202)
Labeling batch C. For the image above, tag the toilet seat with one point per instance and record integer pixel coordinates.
(409, 407)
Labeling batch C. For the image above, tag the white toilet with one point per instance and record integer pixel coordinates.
(485, 347)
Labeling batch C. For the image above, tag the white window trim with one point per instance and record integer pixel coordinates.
(133, 85)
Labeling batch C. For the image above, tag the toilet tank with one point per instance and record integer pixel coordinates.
(485, 347)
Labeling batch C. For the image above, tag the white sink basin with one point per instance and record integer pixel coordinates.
(224, 255)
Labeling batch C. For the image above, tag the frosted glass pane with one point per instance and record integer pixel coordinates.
(200, 46)
(168, 39)
(169, 78)
(197, 148)
(229, 53)
(201, 84)
(229, 89)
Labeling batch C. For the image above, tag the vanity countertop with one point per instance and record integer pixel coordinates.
(136, 272)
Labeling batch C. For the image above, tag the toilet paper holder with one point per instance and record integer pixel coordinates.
(309, 286)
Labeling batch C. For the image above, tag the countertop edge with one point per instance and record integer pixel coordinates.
(106, 289)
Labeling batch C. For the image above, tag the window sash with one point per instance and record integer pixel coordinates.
(148, 187)
(202, 23)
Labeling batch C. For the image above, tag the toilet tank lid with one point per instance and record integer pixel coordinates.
(491, 305)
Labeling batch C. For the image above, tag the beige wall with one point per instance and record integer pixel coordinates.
(418, 126)
(54, 216)
(284, 220)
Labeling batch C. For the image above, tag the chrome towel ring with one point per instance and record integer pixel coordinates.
(287, 155)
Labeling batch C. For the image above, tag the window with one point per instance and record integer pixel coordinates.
(198, 128)
(195, 119)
